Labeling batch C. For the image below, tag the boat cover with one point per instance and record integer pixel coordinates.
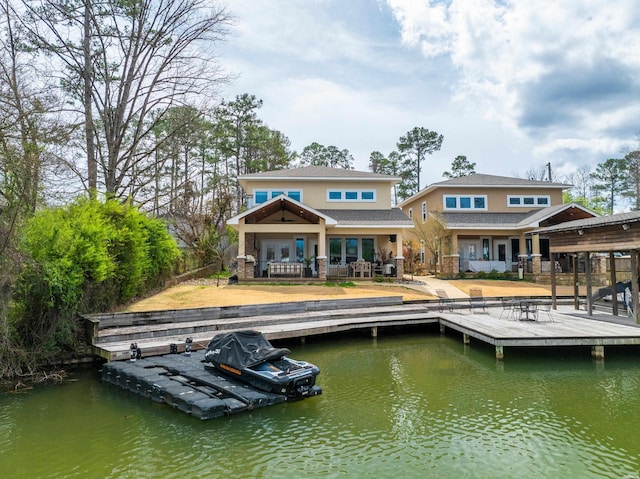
(242, 349)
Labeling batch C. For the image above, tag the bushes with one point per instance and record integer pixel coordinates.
(82, 258)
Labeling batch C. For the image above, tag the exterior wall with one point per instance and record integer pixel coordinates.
(496, 199)
(314, 193)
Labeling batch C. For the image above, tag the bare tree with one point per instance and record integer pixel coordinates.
(126, 64)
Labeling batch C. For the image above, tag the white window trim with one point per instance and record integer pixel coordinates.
(358, 198)
(536, 199)
(424, 211)
(457, 197)
(410, 213)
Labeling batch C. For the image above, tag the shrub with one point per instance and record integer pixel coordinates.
(85, 257)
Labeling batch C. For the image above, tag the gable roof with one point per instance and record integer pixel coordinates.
(599, 221)
(486, 181)
(280, 202)
(318, 173)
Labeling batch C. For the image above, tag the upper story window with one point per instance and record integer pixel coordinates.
(516, 201)
(351, 195)
(464, 202)
(424, 211)
(410, 213)
(260, 196)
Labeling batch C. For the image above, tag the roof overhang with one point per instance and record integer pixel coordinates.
(281, 203)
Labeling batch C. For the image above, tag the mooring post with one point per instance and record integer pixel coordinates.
(442, 328)
(466, 339)
(597, 352)
(499, 353)
(374, 332)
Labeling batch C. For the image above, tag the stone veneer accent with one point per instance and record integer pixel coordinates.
(322, 267)
(450, 264)
(399, 267)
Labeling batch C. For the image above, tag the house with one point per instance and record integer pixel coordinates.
(487, 218)
(321, 222)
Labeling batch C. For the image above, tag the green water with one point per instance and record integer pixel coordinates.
(411, 406)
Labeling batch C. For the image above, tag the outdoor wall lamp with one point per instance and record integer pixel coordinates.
(626, 226)
(580, 232)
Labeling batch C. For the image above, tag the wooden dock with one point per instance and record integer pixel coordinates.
(159, 333)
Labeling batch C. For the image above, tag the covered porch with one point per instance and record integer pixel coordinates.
(287, 240)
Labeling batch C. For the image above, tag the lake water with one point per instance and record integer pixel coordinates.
(409, 406)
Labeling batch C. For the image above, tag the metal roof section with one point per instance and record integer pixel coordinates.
(597, 222)
(315, 173)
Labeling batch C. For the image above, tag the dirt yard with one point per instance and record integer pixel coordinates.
(208, 293)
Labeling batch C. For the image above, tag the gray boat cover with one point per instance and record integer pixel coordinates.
(242, 349)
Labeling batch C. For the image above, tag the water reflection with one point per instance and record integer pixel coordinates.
(404, 406)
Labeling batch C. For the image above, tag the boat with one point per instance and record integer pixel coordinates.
(250, 357)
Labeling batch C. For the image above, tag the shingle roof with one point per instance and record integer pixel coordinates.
(317, 173)
(478, 179)
(392, 217)
(521, 220)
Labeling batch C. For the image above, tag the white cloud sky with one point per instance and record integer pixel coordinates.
(510, 84)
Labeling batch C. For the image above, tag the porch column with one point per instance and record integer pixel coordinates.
(536, 257)
(614, 286)
(634, 285)
(576, 283)
(399, 259)
(322, 254)
(522, 256)
(241, 258)
(587, 270)
(454, 245)
(322, 267)
(554, 302)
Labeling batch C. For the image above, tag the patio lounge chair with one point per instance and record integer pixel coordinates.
(445, 301)
(476, 300)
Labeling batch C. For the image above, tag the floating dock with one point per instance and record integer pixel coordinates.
(184, 382)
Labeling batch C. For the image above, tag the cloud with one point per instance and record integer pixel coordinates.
(549, 68)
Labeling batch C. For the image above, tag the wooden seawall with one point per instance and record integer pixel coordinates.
(157, 332)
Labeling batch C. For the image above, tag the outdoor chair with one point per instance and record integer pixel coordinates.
(545, 307)
(476, 300)
(444, 301)
(508, 306)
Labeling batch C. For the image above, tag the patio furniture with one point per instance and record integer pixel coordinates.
(508, 306)
(284, 269)
(444, 301)
(361, 269)
(545, 307)
(528, 308)
(476, 300)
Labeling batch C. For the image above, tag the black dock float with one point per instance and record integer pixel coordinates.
(185, 383)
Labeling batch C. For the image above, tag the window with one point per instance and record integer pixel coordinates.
(260, 196)
(411, 213)
(335, 250)
(528, 200)
(463, 202)
(351, 195)
(424, 211)
(368, 196)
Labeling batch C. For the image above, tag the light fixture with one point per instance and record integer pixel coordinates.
(626, 226)
(580, 232)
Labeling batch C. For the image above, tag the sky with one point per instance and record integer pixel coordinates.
(510, 84)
